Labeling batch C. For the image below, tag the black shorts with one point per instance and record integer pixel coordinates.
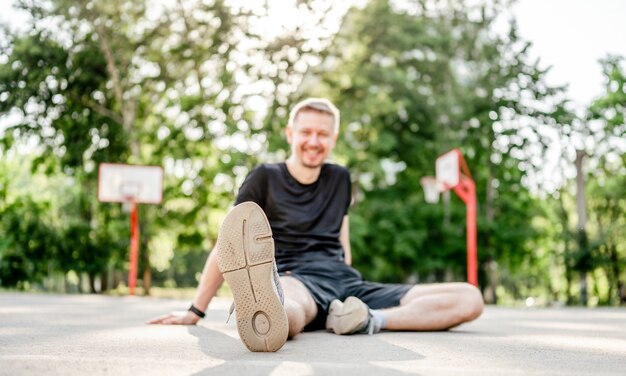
(328, 280)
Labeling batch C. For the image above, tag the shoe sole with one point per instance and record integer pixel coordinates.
(346, 317)
(245, 256)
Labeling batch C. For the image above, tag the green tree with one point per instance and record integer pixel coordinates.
(54, 92)
(413, 83)
(606, 200)
(166, 84)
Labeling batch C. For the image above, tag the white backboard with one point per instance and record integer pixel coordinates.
(125, 183)
(448, 169)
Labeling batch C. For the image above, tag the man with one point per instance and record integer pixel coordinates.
(306, 202)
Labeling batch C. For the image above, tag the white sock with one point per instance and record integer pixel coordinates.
(380, 320)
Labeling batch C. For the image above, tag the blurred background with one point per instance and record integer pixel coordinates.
(531, 92)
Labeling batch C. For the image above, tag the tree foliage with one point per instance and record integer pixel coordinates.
(413, 84)
(203, 88)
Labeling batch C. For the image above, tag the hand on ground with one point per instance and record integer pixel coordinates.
(176, 318)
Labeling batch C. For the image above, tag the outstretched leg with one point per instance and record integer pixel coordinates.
(439, 306)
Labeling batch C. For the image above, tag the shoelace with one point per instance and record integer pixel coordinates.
(278, 289)
(230, 311)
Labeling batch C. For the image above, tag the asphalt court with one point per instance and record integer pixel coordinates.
(101, 335)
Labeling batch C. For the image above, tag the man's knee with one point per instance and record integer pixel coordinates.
(473, 301)
(296, 292)
(299, 305)
(295, 317)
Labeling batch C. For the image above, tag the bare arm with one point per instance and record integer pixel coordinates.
(210, 282)
(344, 238)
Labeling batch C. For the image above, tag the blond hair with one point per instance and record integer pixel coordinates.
(316, 104)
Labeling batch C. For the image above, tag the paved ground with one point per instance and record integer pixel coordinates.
(96, 335)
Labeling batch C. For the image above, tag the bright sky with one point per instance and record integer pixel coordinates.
(571, 36)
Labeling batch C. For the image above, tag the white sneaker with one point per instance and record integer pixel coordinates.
(245, 256)
(350, 317)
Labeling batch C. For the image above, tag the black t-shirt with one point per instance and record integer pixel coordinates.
(306, 219)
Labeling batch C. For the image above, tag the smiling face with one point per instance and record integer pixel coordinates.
(312, 137)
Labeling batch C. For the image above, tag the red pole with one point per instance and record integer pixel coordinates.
(134, 248)
(472, 254)
(466, 190)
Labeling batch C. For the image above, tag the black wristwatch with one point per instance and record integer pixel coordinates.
(196, 311)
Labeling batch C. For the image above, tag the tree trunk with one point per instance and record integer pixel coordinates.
(92, 283)
(128, 118)
(569, 299)
(491, 269)
(104, 278)
(616, 214)
(617, 283)
(563, 216)
(147, 274)
(445, 198)
(145, 257)
(66, 284)
(81, 282)
(491, 265)
(581, 209)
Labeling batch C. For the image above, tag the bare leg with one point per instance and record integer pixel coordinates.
(299, 305)
(438, 306)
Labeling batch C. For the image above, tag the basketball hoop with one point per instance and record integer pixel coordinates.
(130, 190)
(453, 174)
(130, 185)
(431, 189)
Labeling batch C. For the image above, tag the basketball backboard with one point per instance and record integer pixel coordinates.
(448, 169)
(126, 183)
